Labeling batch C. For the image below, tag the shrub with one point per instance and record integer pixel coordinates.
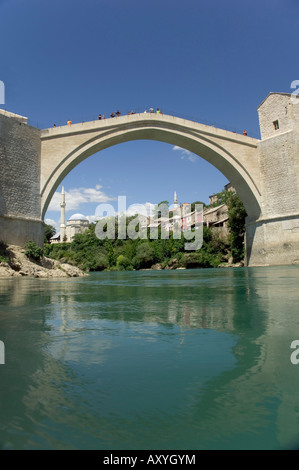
(201, 259)
(98, 262)
(145, 256)
(33, 250)
(123, 262)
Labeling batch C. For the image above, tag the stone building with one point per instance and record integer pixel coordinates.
(278, 113)
(77, 223)
(217, 217)
(55, 238)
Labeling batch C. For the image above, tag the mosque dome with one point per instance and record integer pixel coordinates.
(78, 217)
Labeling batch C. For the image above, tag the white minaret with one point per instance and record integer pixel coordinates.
(175, 201)
(62, 217)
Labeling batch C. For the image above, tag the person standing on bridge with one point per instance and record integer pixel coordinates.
(112, 115)
(244, 132)
(100, 117)
(69, 122)
(151, 110)
(118, 113)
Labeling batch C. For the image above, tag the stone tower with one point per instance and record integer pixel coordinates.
(175, 201)
(274, 237)
(62, 218)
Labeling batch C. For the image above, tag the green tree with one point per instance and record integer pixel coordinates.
(111, 253)
(49, 232)
(145, 256)
(157, 208)
(197, 202)
(236, 224)
(123, 262)
(96, 262)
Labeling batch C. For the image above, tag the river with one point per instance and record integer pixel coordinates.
(194, 359)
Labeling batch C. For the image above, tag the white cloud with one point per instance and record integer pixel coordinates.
(52, 222)
(143, 209)
(185, 154)
(92, 218)
(76, 196)
(107, 210)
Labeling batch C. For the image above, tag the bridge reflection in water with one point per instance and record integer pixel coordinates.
(197, 358)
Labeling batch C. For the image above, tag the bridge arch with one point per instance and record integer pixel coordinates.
(233, 155)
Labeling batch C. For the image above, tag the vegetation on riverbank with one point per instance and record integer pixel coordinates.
(29, 261)
(92, 254)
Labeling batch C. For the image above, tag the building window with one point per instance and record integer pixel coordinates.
(276, 125)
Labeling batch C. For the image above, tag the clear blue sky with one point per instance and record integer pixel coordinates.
(211, 61)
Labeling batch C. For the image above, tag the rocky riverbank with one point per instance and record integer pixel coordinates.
(14, 262)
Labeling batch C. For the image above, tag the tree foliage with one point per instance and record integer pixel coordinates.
(49, 232)
(32, 250)
(236, 222)
(93, 254)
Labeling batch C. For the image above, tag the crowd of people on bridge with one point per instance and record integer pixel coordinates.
(118, 113)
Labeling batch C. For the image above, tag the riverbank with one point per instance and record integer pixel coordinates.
(14, 263)
(92, 254)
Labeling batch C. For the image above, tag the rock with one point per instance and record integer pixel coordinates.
(238, 265)
(20, 265)
(47, 263)
(5, 270)
(172, 264)
(71, 271)
(157, 266)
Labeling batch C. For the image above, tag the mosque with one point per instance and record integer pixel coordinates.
(77, 223)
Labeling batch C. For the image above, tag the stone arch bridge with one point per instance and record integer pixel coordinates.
(62, 148)
(264, 172)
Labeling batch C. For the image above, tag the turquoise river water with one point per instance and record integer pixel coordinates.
(195, 359)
